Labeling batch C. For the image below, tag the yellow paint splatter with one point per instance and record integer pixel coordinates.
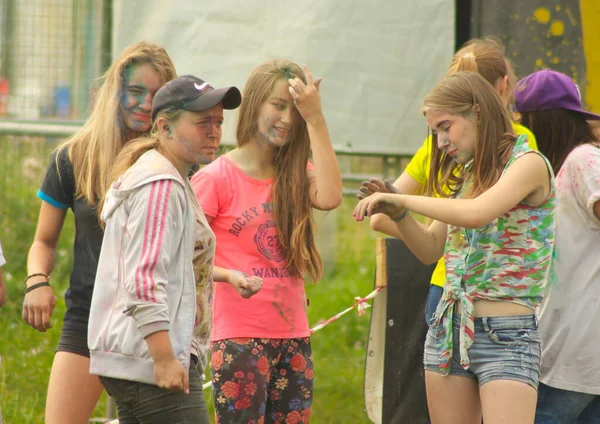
(557, 28)
(542, 15)
(590, 14)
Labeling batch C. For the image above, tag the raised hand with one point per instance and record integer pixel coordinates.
(375, 185)
(307, 97)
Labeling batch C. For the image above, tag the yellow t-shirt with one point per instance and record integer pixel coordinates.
(419, 167)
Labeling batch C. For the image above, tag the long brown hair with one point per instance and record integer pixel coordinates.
(94, 147)
(485, 56)
(558, 131)
(292, 207)
(469, 95)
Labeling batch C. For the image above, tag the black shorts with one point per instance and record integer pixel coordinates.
(73, 340)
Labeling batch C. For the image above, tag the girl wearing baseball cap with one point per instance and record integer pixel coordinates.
(495, 230)
(154, 282)
(259, 199)
(550, 104)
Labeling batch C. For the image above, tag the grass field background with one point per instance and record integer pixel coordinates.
(339, 349)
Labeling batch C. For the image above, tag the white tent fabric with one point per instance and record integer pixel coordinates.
(378, 58)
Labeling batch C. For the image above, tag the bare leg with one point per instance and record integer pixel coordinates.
(72, 392)
(508, 401)
(452, 399)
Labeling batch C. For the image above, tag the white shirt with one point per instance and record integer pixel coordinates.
(2, 260)
(570, 318)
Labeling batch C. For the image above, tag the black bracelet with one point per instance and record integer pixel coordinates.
(37, 286)
(37, 274)
(401, 217)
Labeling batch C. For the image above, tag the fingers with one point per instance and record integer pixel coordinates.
(368, 187)
(37, 310)
(359, 209)
(293, 93)
(379, 184)
(38, 321)
(309, 76)
(46, 318)
(391, 187)
(318, 83)
(186, 382)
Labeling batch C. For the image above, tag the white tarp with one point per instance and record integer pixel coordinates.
(378, 58)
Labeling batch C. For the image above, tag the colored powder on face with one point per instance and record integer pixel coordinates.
(288, 74)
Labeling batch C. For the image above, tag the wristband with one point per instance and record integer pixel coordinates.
(37, 274)
(37, 286)
(401, 217)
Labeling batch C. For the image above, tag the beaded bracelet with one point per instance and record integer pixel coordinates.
(401, 217)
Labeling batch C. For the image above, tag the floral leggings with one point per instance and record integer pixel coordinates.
(260, 381)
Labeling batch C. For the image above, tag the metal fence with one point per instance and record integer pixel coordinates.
(51, 51)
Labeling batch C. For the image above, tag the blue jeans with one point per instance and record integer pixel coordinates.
(505, 348)
(433, 299)
(557, 406)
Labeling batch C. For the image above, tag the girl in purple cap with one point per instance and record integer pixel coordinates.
(496, 234)
(569, 390)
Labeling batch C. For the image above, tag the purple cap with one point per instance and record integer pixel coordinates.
(549, 89)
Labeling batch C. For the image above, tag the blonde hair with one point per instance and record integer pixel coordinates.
(469, 95)
(292, 206)
(486, 57)
(133, 150)
(94, 147)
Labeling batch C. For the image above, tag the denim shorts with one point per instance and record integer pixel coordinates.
(504, 348)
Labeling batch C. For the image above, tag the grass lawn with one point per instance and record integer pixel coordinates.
(339, 349)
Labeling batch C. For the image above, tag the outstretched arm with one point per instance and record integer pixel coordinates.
(527, 179)
(404, 184)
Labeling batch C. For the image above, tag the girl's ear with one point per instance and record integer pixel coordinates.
(163, 126)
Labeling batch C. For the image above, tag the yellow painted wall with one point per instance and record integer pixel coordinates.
(590, 26)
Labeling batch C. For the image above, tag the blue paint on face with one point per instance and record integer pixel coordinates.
(277, 116)
(140, 84)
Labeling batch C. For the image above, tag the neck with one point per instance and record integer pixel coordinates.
(259, 154)
(129, 135)
(182, 167)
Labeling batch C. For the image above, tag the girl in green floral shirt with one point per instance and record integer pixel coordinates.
(496, 234)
